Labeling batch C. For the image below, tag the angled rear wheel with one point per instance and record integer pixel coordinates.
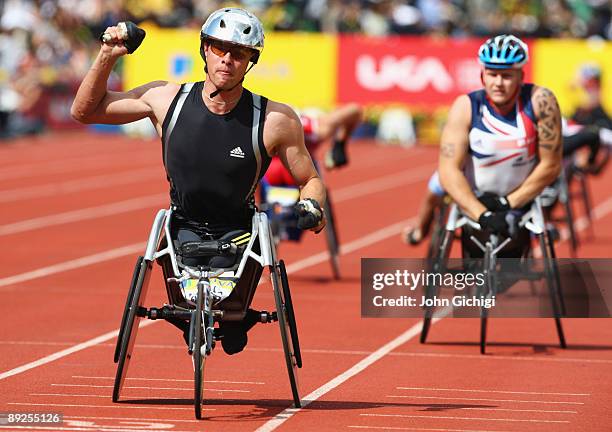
(129, 329)
(282, 309)
(331, 235)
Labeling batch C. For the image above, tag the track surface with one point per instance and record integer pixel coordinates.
(76, 211)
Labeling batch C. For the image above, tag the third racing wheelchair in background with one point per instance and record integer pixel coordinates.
(278, 202)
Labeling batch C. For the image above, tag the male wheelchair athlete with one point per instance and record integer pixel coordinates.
(279, 203)
(219, 295)
(563, 193)
(531, 224)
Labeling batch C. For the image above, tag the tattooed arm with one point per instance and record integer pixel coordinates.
(453, 151)
(550, 148)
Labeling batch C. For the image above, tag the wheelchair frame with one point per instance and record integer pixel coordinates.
(566, 197)
(533, 221)
(202, 317)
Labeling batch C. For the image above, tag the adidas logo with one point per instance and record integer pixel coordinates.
(237, 152)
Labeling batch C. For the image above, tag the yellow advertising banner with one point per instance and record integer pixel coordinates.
(297, 69)
(557, 64)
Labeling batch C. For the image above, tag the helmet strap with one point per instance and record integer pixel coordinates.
(216, 92)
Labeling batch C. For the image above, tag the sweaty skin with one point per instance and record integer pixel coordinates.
(501, 87)
(282, 132)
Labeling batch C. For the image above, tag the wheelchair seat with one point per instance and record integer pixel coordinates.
(222, 253)
(233, 288)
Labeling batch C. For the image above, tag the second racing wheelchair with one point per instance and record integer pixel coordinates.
(491, 249)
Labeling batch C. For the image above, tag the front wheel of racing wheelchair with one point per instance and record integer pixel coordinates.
(533, 222)
(208, 305)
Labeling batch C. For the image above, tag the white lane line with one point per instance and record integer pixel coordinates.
(344, 194)
(461, 356)
(118, 406)
(421, 429)
(133, 419)
(287, 413)
(167, 379)
(380, 184)
(88, 213)
(74, 264)
(72, 186)
(343, 352)
(488, 400)
(129, 250)
(582, 223)
(64, 166)
(345, 249)
(66, 352)
(149, 388)
(500, 357)
(320, 257)
(75, 395)
(464, 418)
(509, 410)
(98, 428)
(36, 343)
(493, 391)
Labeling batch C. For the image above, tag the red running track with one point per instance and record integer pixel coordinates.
(76, 211)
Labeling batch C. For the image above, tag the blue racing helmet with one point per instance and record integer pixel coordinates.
(503, 52)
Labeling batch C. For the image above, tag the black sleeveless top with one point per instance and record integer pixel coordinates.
(214, 162)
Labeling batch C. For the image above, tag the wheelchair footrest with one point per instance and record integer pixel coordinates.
(268, 317)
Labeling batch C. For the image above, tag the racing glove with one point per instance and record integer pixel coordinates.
(131, 34)
(494, 202)
(503, 222)
(309, 214)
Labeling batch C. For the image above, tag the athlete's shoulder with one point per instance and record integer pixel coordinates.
(538, 91)
(543, 100)
(282, 126)
(157, 91)
(281, 114)
(461, 108)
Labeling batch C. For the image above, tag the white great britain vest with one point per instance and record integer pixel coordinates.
(502, 149)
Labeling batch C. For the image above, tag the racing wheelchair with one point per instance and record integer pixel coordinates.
(563, 193)
(560, 193)
(202, 295)
(531, 224)
(279, 202)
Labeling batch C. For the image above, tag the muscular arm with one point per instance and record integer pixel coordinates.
(95, 104)
(284, 135)
(453, 151)
(549, 149)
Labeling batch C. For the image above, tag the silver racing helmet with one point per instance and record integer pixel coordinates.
(236, 26)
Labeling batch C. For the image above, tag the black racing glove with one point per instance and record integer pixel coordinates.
(503, 222)
(131, 34)
(494, 202)
(309, 214)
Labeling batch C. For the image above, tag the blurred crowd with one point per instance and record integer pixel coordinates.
(49, 43)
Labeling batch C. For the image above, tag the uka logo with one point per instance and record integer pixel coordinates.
(409, 73)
